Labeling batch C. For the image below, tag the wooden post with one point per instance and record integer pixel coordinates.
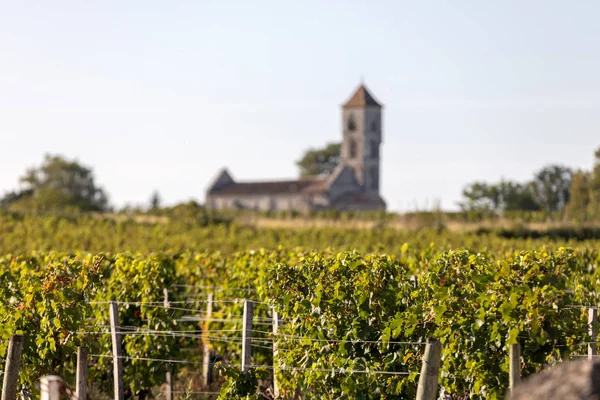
(82, 373)
(247, 335)
(115, 329)
(166, 303)
(50, 387)
(206, 356)
(213, 375)
(514, 366)
(275, 352)
(168, 377)
(13, 364)
(592, 317)
(430, 369)
(169, 386)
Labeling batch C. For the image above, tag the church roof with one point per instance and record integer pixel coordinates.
(361, 98)
(308, 185)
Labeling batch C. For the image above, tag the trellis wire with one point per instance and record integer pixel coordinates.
(269, 367)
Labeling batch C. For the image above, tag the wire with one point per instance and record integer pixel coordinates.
(185, 392)
(300, 338)
(218, 288)
(147, 330)
(334, 370)
(159, 303)
(167, 361)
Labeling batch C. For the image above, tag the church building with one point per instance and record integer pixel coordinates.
(353, 185)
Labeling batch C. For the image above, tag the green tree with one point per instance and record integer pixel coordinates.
(551, 187)
(594, 187)
(516, 196)
(580, 199)
(58, 184)
(504, 196)
(480, 196)
(320, 161)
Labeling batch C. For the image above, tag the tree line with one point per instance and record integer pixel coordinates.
(61, 184)
(554, 188)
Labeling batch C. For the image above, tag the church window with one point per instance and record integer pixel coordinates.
(374, 149)
(352, 148)
(351, 123)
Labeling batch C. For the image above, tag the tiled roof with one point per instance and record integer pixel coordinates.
(361, 98)
(309, 185)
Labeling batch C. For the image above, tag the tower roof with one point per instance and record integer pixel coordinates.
(361, 98)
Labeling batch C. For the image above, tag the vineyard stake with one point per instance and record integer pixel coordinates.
(82, 373)
(169, 386)
(514, 355)
(117, 352)
(11, 370)
(168, 377)
(207, 352)
(247, 335)
(592, 317)
(430, 370)
(275, 352)
(166, 303)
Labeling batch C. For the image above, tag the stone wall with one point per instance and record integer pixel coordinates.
(281, 202)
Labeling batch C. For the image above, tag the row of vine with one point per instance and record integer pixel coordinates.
(342, 312)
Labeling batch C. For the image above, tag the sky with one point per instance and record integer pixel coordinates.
(159, 95)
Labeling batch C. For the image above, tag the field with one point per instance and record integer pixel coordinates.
(356, 306)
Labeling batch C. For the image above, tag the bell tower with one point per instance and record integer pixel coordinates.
(361, 127)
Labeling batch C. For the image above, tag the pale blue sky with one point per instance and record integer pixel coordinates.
(161, 94)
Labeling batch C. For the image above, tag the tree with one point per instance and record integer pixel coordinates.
(551, 187)
(516, 197)
(320, 161)
(504, 196)
(58, 183)
(594, 185)
(155, 201)
(479, 196)
(579, 195)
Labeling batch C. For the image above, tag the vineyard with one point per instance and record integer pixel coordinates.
(353, 310)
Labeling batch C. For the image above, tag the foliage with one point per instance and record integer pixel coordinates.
(551, 187)
(241, 385)
(584, 192)
(320, 161)
(580, 199)
(549, 190)
(504, 196)
(45, 297)
(594, 185)
(58, 184)
(342, 312)
(131, 280)
(477, 307)
(20, 234)
(347, 301)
